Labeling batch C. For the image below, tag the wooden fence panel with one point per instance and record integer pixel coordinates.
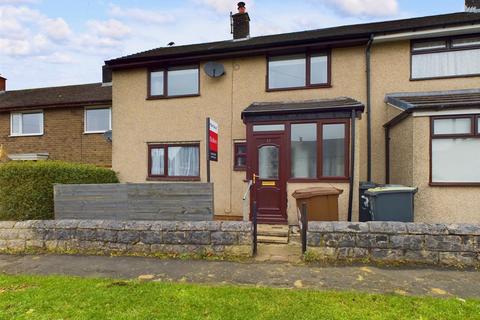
(135, 201)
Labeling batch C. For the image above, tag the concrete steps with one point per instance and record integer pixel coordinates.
(275, 240)
(277, 234)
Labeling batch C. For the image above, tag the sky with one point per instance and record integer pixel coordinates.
(61, 42)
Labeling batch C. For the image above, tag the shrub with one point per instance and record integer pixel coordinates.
(26, 188)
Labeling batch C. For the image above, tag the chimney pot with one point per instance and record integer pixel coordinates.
(3, 84)
(241, 23)
(472, 6)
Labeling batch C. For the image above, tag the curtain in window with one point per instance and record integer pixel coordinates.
(157, 162)
(456, 160)
(443, 64)
(183, 161)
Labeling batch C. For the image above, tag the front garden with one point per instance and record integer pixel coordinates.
(58, 297)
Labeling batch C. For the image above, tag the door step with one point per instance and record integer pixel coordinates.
(272, 230)
(271, 239)
(267, 233)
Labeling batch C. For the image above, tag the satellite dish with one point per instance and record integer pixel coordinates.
(214, 69)
(108, 135)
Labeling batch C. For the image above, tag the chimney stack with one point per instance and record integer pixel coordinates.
(241, 23)
(472, 6)
(3, 84)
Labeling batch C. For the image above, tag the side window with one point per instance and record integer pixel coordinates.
(240, 156)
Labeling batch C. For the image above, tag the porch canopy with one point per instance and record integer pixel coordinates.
(303, 110)
(411, 102)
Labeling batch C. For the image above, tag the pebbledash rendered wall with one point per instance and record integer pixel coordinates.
(395, 242)
(211, 238)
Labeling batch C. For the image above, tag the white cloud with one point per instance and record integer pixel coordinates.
(57, 58)
(112, 29)
(140, 15)
(365, 8)
(17, 1)
(223, 6)
(56, 29)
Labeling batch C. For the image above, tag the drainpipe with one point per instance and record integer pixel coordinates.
(352, 164)
(369, 103)
(387, 154)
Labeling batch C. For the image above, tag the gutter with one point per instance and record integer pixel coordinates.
(369, 107)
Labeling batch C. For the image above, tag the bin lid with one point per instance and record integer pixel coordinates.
(316, 191)
(391, 189)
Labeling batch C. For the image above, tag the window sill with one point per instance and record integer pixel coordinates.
(173, 178)
(446, 77)
(322, 86)
(173, 97)
(95, 132)
(324, 180)
(454, 184)
(25, 135)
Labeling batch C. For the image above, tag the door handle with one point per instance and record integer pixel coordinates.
(255, 178)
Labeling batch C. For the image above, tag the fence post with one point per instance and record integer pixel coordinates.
(304, 227)
(254, 218)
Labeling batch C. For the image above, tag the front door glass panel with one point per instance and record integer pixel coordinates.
(268, 162)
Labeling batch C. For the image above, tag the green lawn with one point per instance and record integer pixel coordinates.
(35, 297)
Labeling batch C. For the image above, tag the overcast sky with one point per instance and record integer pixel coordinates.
(61, 42)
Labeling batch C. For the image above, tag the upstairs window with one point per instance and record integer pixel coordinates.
(298, 71)
(448, 57)
(455, 149)
(97, 120)
(174, 82)
(26, 123)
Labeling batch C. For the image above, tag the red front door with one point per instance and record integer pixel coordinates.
(268, 171)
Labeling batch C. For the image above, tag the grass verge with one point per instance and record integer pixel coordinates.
(59, 297)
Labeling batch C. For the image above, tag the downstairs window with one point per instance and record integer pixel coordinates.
(455, 146)
(174, 161)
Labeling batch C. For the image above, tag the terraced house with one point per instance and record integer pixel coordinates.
(58, 123)
(391, 102)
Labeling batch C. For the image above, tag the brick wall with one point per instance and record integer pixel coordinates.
(63, 138)
(211, 238)
(395, 242)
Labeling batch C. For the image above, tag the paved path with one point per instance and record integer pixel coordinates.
(420, 281)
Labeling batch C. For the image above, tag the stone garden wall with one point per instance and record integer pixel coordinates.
(394, 242)
(209, 238)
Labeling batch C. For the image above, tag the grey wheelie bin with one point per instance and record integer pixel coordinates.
(391, 203)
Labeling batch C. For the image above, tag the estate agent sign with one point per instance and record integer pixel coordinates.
(213, 140)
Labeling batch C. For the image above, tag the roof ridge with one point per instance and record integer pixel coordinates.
(55, 87)
(359, 29)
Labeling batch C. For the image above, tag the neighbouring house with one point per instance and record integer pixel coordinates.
(59, 123)
(390, 102)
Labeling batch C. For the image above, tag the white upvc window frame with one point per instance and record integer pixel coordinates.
(85, 131)
(21, 134)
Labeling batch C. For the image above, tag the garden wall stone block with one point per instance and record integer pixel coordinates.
(128, 237)
(395, 242)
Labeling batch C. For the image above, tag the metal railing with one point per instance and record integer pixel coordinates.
(254, 222)
(304, 226)
(254, 217)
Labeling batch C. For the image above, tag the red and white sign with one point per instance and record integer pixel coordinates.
(213, 140)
